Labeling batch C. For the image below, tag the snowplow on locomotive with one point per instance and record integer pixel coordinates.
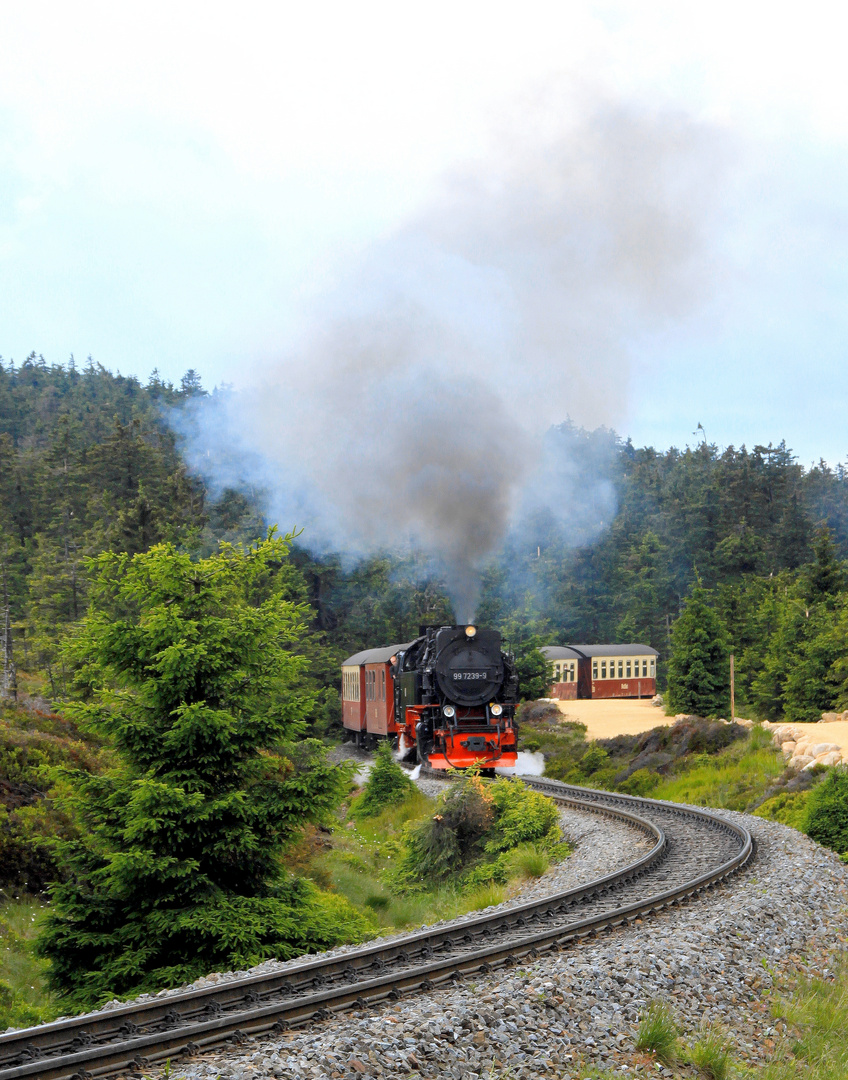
(447, 698)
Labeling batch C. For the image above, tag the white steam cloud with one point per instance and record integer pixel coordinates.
(414, 409)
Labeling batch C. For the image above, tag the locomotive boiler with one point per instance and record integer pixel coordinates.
(448, 697)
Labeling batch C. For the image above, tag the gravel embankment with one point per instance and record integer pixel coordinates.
(711, 961)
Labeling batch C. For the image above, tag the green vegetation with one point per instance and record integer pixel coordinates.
(387, 785)
(826, 819)
(529, 860)
(31, 743)
(817, 1015)
(698, 668)
(735, 779)
(24, 996)
(474, 834)
(374, 860)
(176, 867)
(658, 1032)
(91, 474)
(711, 1054)
(703, 763)
(534, 672)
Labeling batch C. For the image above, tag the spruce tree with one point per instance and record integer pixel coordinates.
(699, 666)
(178, 869)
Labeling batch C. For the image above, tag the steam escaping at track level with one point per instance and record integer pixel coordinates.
(411, 410)
(526, 764)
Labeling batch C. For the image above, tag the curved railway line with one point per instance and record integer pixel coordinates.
(692, 850)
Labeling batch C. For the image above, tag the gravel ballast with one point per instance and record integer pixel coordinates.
(713, 960)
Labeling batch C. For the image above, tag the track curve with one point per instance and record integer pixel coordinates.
(692, 850)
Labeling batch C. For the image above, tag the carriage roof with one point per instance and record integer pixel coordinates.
(374, 656)
(588, 651)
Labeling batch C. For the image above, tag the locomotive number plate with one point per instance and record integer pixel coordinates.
(476, 675)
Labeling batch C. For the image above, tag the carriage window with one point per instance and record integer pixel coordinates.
(594, 669)
(621, 669)
(653, 664)
(603, 669)
(628, 669)
(383, 685)
(557, 672)
(571, 674)
(644, 667)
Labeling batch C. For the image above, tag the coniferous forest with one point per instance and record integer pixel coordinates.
(171, 662)
(89, 463)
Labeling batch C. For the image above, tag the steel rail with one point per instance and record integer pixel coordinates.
(112, 1041)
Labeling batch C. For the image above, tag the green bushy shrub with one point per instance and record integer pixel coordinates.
(827, 811)
(594, 758)
(522, 815)
(787, 807)
(477, 828)
(387, 785)
(641, 782)
(437, 846)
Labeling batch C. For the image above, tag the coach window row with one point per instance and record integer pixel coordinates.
(638, 668)
(565, 672)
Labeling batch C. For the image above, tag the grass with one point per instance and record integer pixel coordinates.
(711, 1054)
(529, 861)
(658, 1032)
(736, 777)
(364, 852)
(24, 998)
(817, 1014)
(733, 779)
(485, 896)
(359, 861)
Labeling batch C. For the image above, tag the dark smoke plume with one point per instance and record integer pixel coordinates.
(412, 412)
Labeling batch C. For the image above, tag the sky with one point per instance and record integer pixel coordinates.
(190, 185)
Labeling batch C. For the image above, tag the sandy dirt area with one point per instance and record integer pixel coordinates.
(606, 718)
(835, 732)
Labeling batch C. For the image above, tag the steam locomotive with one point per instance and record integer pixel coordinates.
(448, 697)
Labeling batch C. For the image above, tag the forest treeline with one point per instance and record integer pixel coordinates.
(90, 463)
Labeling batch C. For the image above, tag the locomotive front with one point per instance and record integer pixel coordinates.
(456, 693)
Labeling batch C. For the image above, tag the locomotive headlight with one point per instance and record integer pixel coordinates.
(449, 711)
(470, 631)
(495, 709)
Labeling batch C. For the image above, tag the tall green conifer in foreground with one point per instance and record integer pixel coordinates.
(699, 666)
(178, 870)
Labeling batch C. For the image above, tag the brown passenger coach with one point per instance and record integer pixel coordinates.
(602, 671)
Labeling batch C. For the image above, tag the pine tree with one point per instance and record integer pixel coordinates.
(699, 669)
(825, 576)
(178, 867)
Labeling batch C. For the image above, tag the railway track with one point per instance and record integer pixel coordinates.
(690, 850)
